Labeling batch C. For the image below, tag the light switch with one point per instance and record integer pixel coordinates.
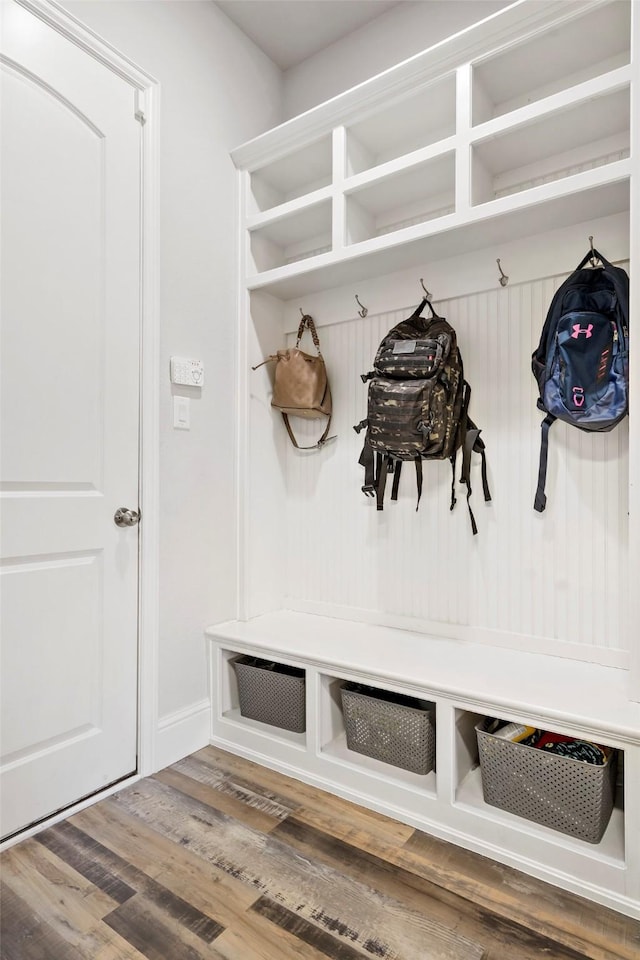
(181, 413)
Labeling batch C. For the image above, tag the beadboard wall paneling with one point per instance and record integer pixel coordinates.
(542, 583)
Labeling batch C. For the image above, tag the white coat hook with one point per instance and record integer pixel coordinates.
(426, 292)
(504, 279)
(362, 312)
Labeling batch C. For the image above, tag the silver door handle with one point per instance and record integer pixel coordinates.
(123, 517)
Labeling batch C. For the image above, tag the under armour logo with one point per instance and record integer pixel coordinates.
(577, 330)
(578, 395)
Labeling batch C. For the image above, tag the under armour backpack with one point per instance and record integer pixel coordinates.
(582, 361)
(418, 404)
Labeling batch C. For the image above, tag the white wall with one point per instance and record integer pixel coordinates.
(217, 90)
(392, 37)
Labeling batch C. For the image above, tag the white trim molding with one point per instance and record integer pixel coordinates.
(183, 732)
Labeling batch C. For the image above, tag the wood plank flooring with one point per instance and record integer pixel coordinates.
(217, 858)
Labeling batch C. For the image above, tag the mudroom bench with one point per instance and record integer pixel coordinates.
(397, 634)
(463, 684)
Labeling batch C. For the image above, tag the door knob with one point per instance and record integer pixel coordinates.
(124, 517)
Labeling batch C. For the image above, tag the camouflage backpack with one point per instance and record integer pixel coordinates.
(418, 408)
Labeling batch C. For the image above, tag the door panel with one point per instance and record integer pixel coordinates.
(70, 420)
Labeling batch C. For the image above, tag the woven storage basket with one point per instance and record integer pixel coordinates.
(271, 692)
(568, 795)
(396, 729)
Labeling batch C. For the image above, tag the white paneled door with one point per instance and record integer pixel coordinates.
(70, 421)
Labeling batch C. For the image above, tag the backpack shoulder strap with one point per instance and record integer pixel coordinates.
(470, 441)
(540, 501)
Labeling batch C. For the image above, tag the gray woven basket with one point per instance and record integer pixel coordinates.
(392, 728)
(568, 795)
(271, 692)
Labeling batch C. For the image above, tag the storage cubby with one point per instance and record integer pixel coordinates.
(273, 693)
(291, 176)
(305, 233)
(542, 793)
(586, 135)
(408, 124)
(420, 194)
(259, 706)
(577, 50)
(381, 735)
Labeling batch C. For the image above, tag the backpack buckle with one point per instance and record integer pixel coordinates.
(369, 490)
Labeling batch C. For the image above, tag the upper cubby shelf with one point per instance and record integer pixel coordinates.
(579, 50)
(582, 136)
(292, 176)
(518, 125)
(402, 127)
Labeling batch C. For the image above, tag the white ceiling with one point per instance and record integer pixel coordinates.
(289, 31)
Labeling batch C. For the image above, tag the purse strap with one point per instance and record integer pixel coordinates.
(307, 322)
(323, 439)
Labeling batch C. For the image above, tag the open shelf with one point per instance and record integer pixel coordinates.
(552, 147)
(532, 212)
(333, 743)
(229, 706)
(297, 236)
(422, 193)
(415, 121)
(469, 794)
(582, 48)
(293, 175)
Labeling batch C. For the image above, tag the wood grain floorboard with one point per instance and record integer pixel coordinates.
(328, 945)
(25, 935)
(49, 917)
(319, 895)
(235, 788)
(217, 858)
(503, 893)
(74, 846)
(74, 902)
(146, 929)
(208, 889)
(212, 891)
(600, 933)
(259, 939)
(55, 840)
(218, 799)
(501, 938)
(344, 815)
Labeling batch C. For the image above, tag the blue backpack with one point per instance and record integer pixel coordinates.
(582, 361)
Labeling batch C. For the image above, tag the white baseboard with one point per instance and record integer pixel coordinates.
(182, 733)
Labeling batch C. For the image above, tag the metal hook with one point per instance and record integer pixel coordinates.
(593, 259)
(504, 279)
(426, 292)
(362, 312)
(302, 314)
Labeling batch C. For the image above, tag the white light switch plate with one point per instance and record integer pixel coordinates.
(189, 373)
(181, 413)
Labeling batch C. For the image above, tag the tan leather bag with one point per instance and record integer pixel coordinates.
(301, 386)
